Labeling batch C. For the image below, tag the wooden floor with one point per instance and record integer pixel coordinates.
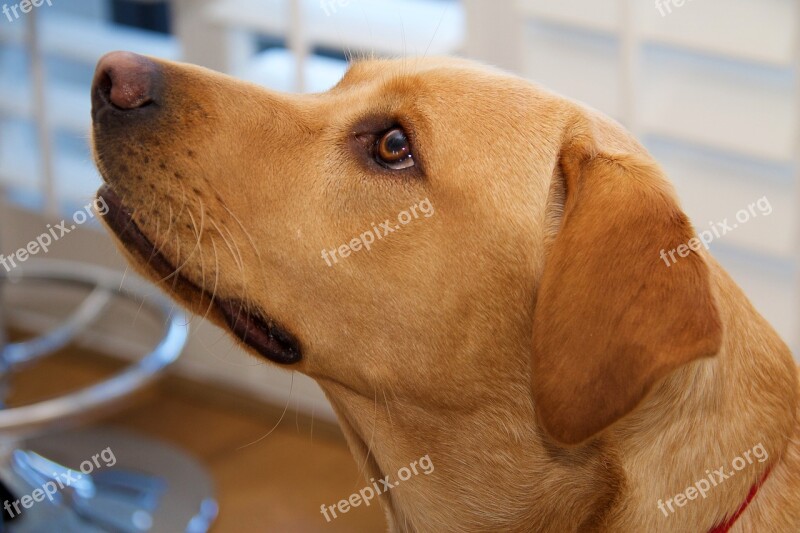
(276, 485)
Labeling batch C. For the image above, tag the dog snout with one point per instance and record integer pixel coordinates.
(124, 82)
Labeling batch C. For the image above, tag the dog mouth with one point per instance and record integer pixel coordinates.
(266, 337)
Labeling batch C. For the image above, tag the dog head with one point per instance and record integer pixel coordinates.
(430, 226)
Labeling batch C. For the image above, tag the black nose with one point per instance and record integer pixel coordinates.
(124, 81)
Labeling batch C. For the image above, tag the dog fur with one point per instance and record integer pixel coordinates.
(528, 337)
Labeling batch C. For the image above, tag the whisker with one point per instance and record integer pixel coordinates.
(286, 408)
(388, 411)
(232, 248)
(216, 279)
(244, 230)
(197, 246)
(362, 470)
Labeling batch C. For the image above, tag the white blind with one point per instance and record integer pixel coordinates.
(71, 37)
(711, 87)
(388, 28)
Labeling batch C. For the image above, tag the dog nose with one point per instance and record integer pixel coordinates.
(125, 81)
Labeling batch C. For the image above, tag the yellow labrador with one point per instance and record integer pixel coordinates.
(473, 270)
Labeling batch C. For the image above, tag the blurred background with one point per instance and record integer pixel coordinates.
(711, 87)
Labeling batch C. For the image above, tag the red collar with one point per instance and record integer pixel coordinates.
(726, 526)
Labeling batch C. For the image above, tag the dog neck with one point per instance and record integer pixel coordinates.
(487, 457)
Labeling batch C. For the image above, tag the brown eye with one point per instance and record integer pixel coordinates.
(393, 150)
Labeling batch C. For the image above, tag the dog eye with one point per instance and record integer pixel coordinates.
(393, 150)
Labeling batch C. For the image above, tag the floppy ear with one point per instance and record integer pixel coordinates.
(611, 317)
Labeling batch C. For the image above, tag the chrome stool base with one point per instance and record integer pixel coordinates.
(67, 482)
(136, 484)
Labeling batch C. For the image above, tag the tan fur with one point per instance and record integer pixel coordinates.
(423, 345)
(641, 318)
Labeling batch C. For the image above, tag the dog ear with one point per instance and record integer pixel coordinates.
(613, 313)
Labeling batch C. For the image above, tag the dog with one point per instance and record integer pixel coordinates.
(523, 333)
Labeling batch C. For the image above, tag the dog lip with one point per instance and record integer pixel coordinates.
(265, 336)
(269, 339)
(120, 220)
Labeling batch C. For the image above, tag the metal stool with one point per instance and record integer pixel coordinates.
(59, 483)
